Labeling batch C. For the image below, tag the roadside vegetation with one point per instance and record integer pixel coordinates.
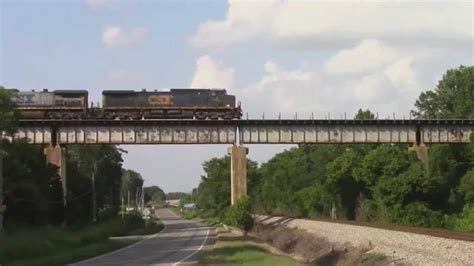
(57, 246)
(39, 229)
(374, 183)
(232, 249)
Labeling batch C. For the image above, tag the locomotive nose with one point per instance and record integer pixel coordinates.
(229, 100)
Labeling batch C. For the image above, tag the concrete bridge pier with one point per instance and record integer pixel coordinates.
(421, 152)
(56, 155)
(238, 176)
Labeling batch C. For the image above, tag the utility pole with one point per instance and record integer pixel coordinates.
(123, 208)
(136, 199)
(94, 217)
(1, 194)
(143, 199)
(128, 200)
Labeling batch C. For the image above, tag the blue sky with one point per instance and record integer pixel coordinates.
(58, 43)
(275, 56)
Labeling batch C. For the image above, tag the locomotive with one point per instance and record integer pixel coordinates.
(175, 103)
(65, 104)
(128, 104)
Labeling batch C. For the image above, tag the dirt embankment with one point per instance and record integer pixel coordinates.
(309, 249)
(406, 248)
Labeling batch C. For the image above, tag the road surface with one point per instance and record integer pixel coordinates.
(177, 244)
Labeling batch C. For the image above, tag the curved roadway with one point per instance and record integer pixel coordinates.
(177, 244)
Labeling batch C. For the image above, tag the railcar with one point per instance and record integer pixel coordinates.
(58, 104)
(175, 103)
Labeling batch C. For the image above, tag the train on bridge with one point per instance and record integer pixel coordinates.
(128, 104)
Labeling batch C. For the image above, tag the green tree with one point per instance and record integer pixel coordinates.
(466, 187)
(364, 115)
(287, 179)
(214, 188)
(453, 97)
(154, 194)
(342, 183)
(8, 116)
(174, 195)
(33, 194)
(132, 182)
(104, 163)
(240, 214)
(213, 192)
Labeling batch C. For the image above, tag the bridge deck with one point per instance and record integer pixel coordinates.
(244, 131)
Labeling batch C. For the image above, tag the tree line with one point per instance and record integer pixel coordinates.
(373, 183)
(32, 189)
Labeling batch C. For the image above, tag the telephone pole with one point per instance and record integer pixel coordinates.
(128, 200)
(123, 208)
(94, 215)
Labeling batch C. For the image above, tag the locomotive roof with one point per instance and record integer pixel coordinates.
(196, 89)
(56, 91)
(171, 90)
(118, 92)
(71, 91)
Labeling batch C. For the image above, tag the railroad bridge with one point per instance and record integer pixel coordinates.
(57, 134)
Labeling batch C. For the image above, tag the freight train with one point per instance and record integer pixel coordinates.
(128, 104)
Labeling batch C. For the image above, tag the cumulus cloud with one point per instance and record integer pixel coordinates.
(369, 55)
(118, 37)
(303, 21)
(210, 74)
(97, 4)
(402, 74)
(387, 82)
(308, 91)
(281, 90)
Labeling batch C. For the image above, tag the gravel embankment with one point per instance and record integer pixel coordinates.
(407, 248)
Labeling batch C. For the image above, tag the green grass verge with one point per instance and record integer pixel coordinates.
(59, 246)
(231, 250)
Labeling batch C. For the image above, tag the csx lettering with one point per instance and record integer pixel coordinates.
(160, 100)
(23, 99)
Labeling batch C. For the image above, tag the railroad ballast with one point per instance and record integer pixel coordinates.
(128, 104)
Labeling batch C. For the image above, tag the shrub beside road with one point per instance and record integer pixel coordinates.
(59, 246)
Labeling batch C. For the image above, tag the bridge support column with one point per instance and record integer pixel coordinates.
(56, 155)
(421, 152)
(238, 172)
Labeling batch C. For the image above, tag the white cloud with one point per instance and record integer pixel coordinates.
(118, 37)
(369, 55)
(303, 21)
(281, 90)
(401, 73)
(387, 82)
(209, 74)
(97, 4)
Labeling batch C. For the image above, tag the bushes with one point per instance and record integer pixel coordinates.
(417, 214)
(50, 243)
(465, 221)
(240, 214)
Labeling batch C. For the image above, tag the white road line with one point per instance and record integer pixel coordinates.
(196, 251)
(122, 249)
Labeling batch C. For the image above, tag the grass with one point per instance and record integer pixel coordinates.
(59, 246)
(186, 214)
(232, 250)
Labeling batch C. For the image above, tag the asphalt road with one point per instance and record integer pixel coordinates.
(179, 243)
